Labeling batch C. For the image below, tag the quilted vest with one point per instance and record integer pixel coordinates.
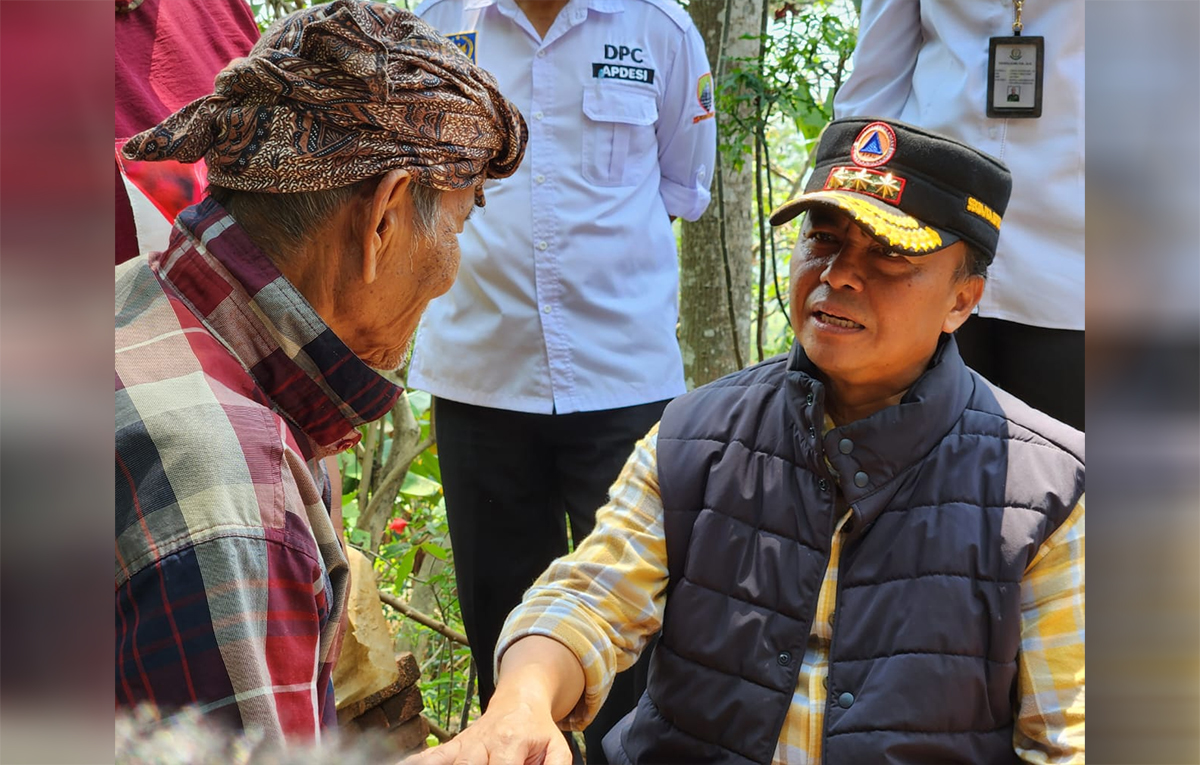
(952, 491)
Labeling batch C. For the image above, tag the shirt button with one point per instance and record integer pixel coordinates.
(808, 399)
(542, 246)
(545, 309)
(860, 479)
(540, 179)
(538, 115)
(812, 432)
(541, 54)
(846, 700)
(823, 485)
(845, 446)
(784, 659)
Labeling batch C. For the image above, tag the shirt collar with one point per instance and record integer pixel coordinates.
(600, 6)
(887, 443)
(306, 371)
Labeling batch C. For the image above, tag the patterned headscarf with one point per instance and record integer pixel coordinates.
(338, 93)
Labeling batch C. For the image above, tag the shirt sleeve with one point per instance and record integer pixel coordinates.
(889, 40)
(687, 131)
(231, 626)
(1050, 683)
(605, 600)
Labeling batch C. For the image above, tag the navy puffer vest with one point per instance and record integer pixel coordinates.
(953, 491)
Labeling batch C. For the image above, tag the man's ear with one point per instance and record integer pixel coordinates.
(385, 219)
(967, 294)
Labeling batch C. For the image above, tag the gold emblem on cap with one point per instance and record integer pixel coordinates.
(874, 146)
(898, 229)
(875, 183)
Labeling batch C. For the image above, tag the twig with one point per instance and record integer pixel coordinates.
(370, 446)
(440, 733)
(762, 137)
(391, 482)
(466, 712)
(421, 618)
(733, 325)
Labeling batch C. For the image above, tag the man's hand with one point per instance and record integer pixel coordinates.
(540, 682)
(506, 734)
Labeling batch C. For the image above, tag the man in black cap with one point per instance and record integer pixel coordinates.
(868, 473)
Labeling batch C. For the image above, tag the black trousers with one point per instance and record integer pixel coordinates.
(513, 482)
(1042, 367)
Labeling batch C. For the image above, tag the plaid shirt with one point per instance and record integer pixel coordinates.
(606, 600)
(230, 578)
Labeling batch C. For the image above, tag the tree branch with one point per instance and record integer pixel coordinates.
(440, 733)
(421, 618)
(385, 495)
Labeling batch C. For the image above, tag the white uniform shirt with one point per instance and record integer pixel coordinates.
(567, 295)
(925, 62)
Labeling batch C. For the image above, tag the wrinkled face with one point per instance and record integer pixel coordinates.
(415, 267)
(869, 320)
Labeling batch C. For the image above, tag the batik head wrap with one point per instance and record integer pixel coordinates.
(338, 93)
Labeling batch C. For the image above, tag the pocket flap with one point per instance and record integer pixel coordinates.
(617, 104)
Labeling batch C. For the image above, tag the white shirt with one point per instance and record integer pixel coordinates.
(567, 295)
(925, 62)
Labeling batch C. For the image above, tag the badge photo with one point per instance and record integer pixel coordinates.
(1015, 76)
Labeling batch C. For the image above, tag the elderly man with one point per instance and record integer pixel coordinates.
(344, 154)
(869, 474)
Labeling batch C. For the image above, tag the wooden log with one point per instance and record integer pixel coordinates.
(410, 673)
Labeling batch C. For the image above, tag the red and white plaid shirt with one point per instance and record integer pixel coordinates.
(230, 578)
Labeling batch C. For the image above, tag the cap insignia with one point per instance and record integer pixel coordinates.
(874, 146)
(900, 230)
(983, 211)
(874, 183)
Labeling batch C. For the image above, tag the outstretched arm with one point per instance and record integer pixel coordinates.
(540, 682)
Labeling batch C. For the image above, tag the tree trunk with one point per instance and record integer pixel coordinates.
(711, 275)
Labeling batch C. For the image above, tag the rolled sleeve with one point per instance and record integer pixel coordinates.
(889, 39)
(1050, 718)
(605, 600)
(687, 131)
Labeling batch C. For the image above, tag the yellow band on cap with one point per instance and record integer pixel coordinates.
(900, 230)
(983, 211)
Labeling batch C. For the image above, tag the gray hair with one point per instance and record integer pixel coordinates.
(279, 223)
(975, 262)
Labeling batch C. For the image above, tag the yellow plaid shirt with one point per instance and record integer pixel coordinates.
(605, 601)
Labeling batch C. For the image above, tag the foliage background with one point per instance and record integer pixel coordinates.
(771, 111)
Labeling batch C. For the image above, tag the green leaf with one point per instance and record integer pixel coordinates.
(420, 402)
(437, 551)
(360, 537)
(349, 512)
(405, 566)
(419, 486)
(391, 550)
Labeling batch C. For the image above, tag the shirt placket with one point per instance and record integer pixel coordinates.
(548, 60)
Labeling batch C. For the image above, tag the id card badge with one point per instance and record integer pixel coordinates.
(1015, 76)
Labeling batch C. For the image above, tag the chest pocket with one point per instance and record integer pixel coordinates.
(619, 142)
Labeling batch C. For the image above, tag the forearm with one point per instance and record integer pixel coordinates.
(542, 673)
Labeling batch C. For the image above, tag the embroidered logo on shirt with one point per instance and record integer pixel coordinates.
(465, 42)
(621, 72)
(704, 94)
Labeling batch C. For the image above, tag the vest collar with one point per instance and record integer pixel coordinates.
(868, 455)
